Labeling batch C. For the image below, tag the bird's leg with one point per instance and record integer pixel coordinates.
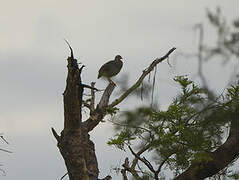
(111, 82)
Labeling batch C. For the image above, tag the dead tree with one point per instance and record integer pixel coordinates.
(74, 142)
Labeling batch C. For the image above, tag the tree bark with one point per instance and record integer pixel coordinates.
(74, 143)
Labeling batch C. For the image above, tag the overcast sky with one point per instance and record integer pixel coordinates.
(33, 66)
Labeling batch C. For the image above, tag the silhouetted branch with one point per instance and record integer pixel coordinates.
(4, 139)
(64, 176)
(100, 110)
(144, 160)
(92, 100)
(72, 54)
(55, 134)
(130, 169)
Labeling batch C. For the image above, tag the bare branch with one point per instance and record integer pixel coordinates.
(141, 78)
(72, 54)
(90, 87)
(105, 97)
(130, 169)
(100, 110)
(64, 176)
(5, 150)
(55, 134)
(144, 160)
(92, 100)
(135, 161)
(4, 139)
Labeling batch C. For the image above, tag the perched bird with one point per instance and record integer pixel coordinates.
(111, 68)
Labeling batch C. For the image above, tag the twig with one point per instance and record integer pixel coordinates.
(152, 95)
(130, 169)
(4, 139)
(89, 87)
(72, 55)
(64, 176)
(55, 134)
(92, 100)
(144, 160)
(141, 78)
(5, 150)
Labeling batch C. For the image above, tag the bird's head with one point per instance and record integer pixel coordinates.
(118, 57)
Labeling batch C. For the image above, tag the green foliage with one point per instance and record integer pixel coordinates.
(186, 132)
(112, 111)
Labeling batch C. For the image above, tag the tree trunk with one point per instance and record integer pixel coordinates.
(74, 143)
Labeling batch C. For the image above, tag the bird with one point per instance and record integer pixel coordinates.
(111, 68)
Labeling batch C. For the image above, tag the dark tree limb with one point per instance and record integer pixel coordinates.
(90, 87)
(58, 138)
(127, 167)
(144, 160)
(100, 110)
(220, 159)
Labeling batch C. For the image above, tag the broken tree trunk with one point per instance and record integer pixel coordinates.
(74, 143)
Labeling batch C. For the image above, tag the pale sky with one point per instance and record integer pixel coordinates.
(33, 67)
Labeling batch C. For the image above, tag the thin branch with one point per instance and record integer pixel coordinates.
(4, 139)
(130, 169)
(64, 176)
(135, 161)
(141, 78)
(5, 150)
(144, 160)
(90, 87)
(161, 164)
(55, 134)
(72, 54)
(92, 100)
(100, 110)
(152, 95)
